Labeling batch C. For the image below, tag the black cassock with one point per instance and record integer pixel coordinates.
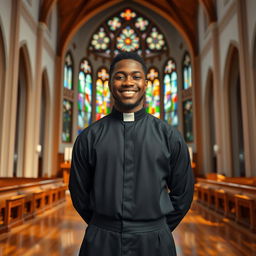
(122, 167)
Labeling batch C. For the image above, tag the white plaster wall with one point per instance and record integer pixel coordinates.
(51, 35)
(206, 64)
(223, 6)
(5, 21)
(29, 36)
(251, 23)
(48, 64)
(228, 34)
(203, 29)
(33, 8)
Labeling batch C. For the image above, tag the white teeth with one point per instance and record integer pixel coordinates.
(128, 93)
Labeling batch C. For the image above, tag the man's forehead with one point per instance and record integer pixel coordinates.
(128, 64)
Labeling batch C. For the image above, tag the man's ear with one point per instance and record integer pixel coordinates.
(109, 84)
(146, 83)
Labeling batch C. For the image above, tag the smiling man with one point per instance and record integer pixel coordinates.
(123, 167)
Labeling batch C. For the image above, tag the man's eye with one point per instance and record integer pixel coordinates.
(137, 77)
(119, 77)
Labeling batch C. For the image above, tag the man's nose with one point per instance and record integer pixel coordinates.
(129, 81)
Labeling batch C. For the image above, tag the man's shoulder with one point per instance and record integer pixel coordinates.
(171, 131)
(161, 123)
(93, 128)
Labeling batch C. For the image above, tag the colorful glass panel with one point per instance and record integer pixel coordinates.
(152, 103)
(156, 40)
(102, 94)
(128, 31)
(128, 40)
(68, 72)
(188, 120)
(67, 121)
(128, 14)
(85, 67)
(84, 99)
(100, 40)
(187, 72)
(114, 23)
(141, 24)
(171, 94)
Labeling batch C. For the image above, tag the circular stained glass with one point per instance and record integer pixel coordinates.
(128, 31)
(128, 14)
(114, 23)
(141, 24)
(100, 41)
(128, 40)
(155, 40)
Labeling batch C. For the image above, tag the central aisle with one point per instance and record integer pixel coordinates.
(60, 233)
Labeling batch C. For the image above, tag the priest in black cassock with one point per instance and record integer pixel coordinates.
(131, 179)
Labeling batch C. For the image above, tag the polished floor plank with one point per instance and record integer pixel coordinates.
(205, 234)
(60, 233)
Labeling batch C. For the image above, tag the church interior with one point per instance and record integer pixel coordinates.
(54, 63)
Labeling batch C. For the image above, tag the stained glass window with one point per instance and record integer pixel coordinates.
(84, 95)
(68, 72)
(128, 31)
(187, 72)
(128, 40)
(100, 41)
(114, 23)
(188, 120)
(155, 40)
(102, 94)
(171, 93)
(152, 103)
(67, 121)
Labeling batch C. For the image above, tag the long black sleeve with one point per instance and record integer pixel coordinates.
(180, 180)
(81, 180)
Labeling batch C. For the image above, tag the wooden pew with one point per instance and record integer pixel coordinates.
(233, 200)
(24, 198)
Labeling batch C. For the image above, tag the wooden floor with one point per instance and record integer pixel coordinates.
(61, 231)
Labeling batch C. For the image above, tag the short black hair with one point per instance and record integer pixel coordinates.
(127, 56)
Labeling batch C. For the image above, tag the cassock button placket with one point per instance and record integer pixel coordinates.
(128, 179)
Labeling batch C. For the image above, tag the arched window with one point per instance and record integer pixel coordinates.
(153, 93)
(67, 99)
(67, 120)
(187, 99)
(84, 95)
(187, 72)
(128, 31)
(102, 94)
(171, 93)
(188, 120)
(68, 72)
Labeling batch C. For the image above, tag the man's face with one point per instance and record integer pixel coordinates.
(128, 85)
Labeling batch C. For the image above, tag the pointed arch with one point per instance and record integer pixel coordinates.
(128, 30)
(84, 91)
(2, 86)
(233, 134)
(68, 98)
(66, 36)
(170, 88)
(103, 97)
(153, 92)
(254, 67)
(44, 134)
(209, 117)
(22, 111)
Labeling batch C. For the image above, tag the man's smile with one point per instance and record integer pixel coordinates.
(128, 93)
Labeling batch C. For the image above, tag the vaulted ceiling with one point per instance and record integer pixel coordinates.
(181, 13)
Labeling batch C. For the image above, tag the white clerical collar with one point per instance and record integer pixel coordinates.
(128, 117)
